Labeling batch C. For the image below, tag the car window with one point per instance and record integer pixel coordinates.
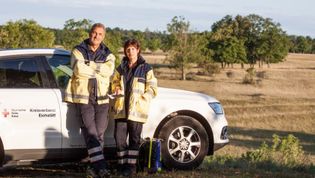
(20, 73)
(61, 68)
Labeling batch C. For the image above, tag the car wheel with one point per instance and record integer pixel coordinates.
(184, 143)
(1, 153)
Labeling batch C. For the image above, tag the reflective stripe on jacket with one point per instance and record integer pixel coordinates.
(144, 88)
(77, 90)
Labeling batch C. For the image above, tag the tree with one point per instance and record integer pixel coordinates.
(303, 44)
(227, 41)
(84, 24)
(274, 44)
(248, 40)
(141, 38)
(313, 46)
(292, 46)
(266, 41)
(74, 32)
(113, 41)
(25, 34)
(253, 40)
(4, 37)
(152, 40)
(167, 41)
(186, 48)
(154, 44)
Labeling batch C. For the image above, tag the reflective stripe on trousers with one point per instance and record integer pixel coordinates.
(127, 153)
(129, 156)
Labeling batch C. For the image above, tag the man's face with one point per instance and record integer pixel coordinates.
(97, 36)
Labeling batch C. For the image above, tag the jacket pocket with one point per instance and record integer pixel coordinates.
(142, 105)
(119, 105)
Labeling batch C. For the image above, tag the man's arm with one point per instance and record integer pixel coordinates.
(79, 67)
(109, 67)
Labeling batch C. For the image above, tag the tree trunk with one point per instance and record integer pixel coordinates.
(183, 73)
(242, 65)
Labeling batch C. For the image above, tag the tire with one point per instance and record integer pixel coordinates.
(1, 153)
(184, 143)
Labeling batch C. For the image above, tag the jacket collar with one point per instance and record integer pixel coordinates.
(125, 60)
(100, 54)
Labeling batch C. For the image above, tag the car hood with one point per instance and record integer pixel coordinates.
(168, 93)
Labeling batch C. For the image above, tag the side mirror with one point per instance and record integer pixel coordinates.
(63, 81)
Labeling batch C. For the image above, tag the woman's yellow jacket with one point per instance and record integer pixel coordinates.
(143, 89)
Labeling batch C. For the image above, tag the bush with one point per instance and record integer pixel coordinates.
(250, 76)
(211, 68)
(285, 157)
(191, 76)
(259, 155)
(261, 74)
(285, 152)
(230, 74)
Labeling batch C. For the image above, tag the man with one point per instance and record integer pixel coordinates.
(93, 64)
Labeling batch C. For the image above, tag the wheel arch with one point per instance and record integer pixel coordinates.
(194, 115)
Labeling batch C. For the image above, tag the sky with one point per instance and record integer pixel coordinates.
(297, 17)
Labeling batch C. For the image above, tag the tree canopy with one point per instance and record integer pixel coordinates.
(248, 39)
(25, 34)
(186, 46)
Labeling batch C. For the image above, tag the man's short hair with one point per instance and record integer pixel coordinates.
(98, 25)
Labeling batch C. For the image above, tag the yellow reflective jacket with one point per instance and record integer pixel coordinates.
(85, 67)
(143, 89)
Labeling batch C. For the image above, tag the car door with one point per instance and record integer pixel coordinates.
(60, 68)
(31, 119)
(71, 119)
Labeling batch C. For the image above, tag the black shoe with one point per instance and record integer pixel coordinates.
(91, 173)
(104, 173)
(129, 171)
(126, 172)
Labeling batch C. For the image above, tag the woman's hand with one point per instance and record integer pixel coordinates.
(118, 91)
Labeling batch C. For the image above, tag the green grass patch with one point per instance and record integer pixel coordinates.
(284, 157)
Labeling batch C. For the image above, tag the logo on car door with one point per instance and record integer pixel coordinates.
(5, 113)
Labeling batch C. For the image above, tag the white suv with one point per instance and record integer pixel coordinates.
(36, 124)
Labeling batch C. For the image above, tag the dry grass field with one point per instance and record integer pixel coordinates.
(282, 102)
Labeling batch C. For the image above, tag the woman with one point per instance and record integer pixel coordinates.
(134, 85)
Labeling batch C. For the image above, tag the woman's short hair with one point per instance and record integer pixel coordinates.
(132, 42)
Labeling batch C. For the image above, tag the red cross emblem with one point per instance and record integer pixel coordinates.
(5, 113)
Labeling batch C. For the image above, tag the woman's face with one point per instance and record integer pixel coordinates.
(132, 52)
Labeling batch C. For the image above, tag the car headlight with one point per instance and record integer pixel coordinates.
(217, 108)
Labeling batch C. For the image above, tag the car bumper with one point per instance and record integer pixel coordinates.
(223, 138)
